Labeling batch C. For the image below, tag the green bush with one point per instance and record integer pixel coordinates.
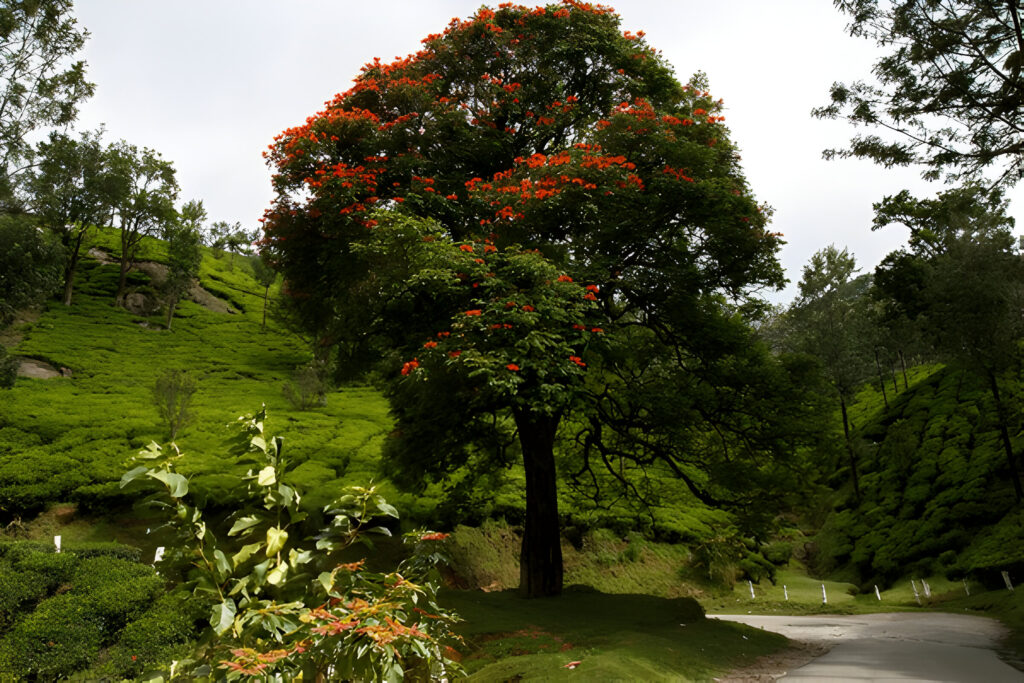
(115, 590)
(60, 637)
(164, 633)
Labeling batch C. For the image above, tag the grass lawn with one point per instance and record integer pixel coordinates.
(611, 636)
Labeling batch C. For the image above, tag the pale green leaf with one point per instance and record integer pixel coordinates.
(267, 476)
(276, 538)
(222, 616)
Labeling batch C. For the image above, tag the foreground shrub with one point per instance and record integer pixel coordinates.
(95, 598)
(281, 601)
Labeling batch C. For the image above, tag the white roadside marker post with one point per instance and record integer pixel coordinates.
(751, 584)
(877, 594)
(967, 589)
(927, 589)
(56, 543)
(916, 595)
(824, 595)
(1006, 580)
(785, 592)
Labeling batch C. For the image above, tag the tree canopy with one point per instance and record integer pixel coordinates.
(39, 86)
(948, 92)
(548, 237)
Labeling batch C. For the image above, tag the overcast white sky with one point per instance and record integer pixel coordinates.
(208, 83)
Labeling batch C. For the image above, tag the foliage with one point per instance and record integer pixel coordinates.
(280, 601)
(307, 388)
(39, 85)
(184, 239)
(30, 265)
(567, 131)
(83, 604)
(8, 369)
(967, 288)
(146, 204)
(172, 395)
(265, 276)
(948, 87)
(73, 188)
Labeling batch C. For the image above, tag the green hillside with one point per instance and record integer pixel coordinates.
(937, 497)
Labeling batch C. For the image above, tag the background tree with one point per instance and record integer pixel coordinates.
(232, 238)
(949, 89)
(962, 283)
(31, 263)
(184, 253)
(265, 276)
(513, 136)
(172, 395)
(72, 189)
(830, 321)
(146, 204)
(39, 84)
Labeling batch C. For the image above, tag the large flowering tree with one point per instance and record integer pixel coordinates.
(552, 240)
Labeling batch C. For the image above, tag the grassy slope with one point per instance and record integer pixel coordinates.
(936, 497)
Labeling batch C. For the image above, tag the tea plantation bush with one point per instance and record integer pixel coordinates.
(60, 611)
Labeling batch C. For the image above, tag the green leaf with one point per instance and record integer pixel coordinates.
(276, 538)
(326, 580)
(277, 574)
(242, 524)
(222, 616)
(133, 474)
(245, 553)
(267, 476)
(259, 442)
(388, 509)
(177, 485)
(223, 565)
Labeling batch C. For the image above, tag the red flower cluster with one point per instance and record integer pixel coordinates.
(513, 367)
(578, 361)
(410, 366)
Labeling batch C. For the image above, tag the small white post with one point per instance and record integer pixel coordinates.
(56, 543)
(916, 595)
(877, 594)
(785, 591)
(159, 555)
(751, 584)
(927, 589)
(966, 588)
(824, 595)
(1006, 580)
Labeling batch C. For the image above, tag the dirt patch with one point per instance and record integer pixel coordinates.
(37, 369)
(774, 666)
(14, 332)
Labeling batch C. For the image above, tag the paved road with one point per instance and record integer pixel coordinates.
(895, 647)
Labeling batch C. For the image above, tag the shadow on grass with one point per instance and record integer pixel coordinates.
(611, 636)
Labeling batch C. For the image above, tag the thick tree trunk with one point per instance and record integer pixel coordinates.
(540, 562)
(1004, 433)
(849, 449)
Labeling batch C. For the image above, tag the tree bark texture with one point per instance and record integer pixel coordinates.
(1004, 433)
(849, 448)
(540, 563)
